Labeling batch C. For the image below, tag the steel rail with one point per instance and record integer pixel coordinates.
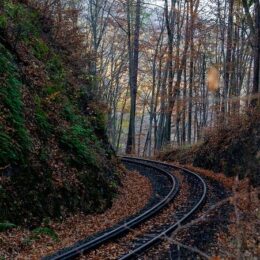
(146, 245)
(124, 228)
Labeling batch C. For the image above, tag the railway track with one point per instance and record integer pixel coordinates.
(164, 193)
(166, 187)
(198, 190)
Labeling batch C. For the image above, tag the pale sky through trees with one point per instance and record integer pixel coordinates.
(95, 95)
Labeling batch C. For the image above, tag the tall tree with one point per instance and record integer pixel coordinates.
(228, 68)
(254, 24)
(170, 25)
(133, 50)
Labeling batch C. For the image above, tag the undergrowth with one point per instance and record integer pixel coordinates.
(231, 148)
(37, 232)
(15, 139)
(54, 156)
(25, 24)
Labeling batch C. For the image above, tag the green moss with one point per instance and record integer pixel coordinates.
(3, 21)
(10, 8)
(42, 119)
(57, 76)
(100, 121)
(45, 231)
(78, 140)
(55, 68)
(71, 113)
(6, 225)
(44, 155)
(10, 97)
(7, 153)
(68, 113)
(52, 89)
(25, 21)
(40, 49)
(34, 190)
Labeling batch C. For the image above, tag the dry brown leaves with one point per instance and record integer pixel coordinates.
(121, 246)
(243, 236)
(134, 194)
(242, 241)
(228, 182)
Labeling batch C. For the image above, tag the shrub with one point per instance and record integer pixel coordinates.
(45, 231)
(6, 225)
(233, 148)
(78, 138)
(25, 23)
(55, 69)
(40, 49)
(41, 118)
(7, 153)
(183, 155)
(3, 21)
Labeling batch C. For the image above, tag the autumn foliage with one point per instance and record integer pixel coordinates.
(54, 155)
(231, 147)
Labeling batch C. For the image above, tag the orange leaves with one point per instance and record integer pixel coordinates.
(53, 96)
(213, 79)
(228, 182)
(134, 194)
(216, 258)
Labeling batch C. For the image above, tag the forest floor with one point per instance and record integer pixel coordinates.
(225, 228)
(20, 243)
(240, 238)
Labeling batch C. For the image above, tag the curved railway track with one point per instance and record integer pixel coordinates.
(183, 214)
(198, 196)
(161, 201)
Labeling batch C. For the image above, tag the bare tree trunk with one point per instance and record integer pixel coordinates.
(204, 93)
(141, 131)
(163, 110)
(228, 63)
(170, 23)
(255, 31)
(152, 103)
(121, 122)
(256, 79)
(190, 100)
(157, 96)
(191, 34)
(184, 107)
(133, 73)
(248, 82)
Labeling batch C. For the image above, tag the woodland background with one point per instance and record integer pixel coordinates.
(171, 68)
(174, 74)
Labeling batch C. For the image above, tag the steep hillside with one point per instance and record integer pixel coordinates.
(54, 154)
(233, 148)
